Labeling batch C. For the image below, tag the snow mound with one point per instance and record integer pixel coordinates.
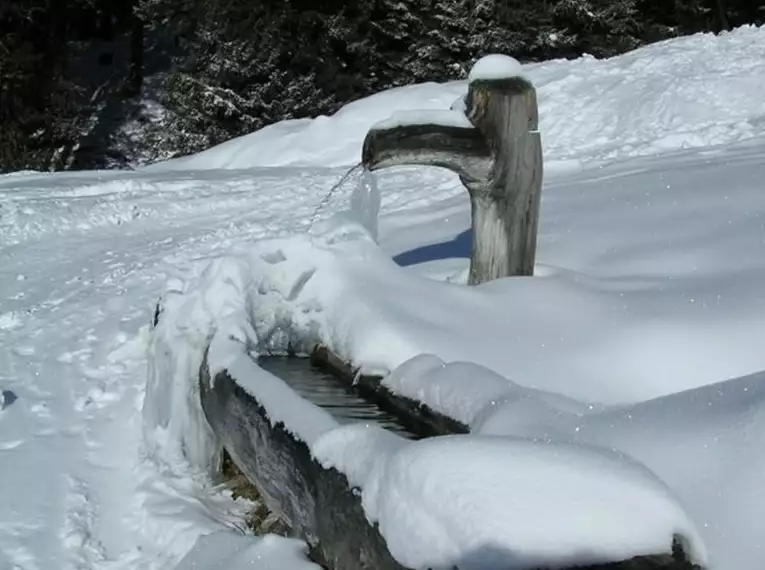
(445, 118)
(495, 66)
(692, 92)
(469, 392)
(694, 441)
(231, 551)
(276, 295)
(481, 502)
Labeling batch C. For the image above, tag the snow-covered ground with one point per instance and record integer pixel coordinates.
(648, 298)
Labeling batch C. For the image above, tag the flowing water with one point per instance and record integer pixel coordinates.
(326, 391)
(325, 200)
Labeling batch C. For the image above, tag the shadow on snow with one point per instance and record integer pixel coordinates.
(459, 246)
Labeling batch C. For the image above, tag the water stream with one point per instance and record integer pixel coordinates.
(326, 199)
(328, 392)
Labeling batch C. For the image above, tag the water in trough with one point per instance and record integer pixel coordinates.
(330, 393)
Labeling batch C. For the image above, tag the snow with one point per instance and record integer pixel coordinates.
(459, 105)
(495, 66)
(705, 444)
(10, 320)
(445, 118)
(647, 299)
(234, 552)
(304, 420)
(641, 290)
(337, 286)
(512, 503)
(442, 386)
(693, 440)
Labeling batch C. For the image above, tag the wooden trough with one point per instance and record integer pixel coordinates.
(318, 504)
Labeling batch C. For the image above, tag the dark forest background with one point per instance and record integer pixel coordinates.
(116, 83)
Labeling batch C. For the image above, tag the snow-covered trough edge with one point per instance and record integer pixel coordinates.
(321, 488)
(318, 502)
(416, 414)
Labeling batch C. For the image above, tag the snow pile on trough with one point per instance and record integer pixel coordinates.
(706, 444)
(512, 502)
(694, 440)
(487, 502)
(495, 66)
(468, 392)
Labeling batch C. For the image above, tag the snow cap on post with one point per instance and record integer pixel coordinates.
(496, 66)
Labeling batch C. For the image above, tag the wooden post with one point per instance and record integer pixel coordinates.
(498, 159)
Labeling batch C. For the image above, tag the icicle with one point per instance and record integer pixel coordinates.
(365, 202)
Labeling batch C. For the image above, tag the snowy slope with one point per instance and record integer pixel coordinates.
(683, 93)
(655, 267)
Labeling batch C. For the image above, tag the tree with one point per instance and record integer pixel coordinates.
(135, 21)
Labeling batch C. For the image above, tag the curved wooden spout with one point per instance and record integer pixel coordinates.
(461, 150)
(499, 159)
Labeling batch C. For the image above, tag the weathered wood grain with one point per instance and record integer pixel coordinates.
(499, 161)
